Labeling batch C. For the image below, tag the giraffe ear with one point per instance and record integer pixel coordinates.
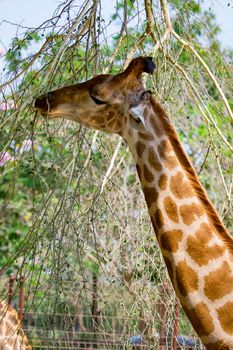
(137, 120)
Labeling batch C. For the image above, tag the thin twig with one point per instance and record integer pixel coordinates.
(48, 40)
(108, 172)
(210, 74)
(121, 38)
(228, 193)
(203, 163)
(196, 96)
(190, 47)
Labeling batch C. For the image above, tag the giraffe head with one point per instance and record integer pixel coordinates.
(105, 102)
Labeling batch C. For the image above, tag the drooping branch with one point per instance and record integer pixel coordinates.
(188, 46)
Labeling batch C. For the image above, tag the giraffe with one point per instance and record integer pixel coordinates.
(12, 336)
(197, 250)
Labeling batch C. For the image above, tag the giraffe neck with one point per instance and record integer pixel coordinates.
(12, 336)
(196, 248)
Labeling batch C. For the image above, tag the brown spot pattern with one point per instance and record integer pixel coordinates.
(171, 162)
(219, 345)
(153, 159)
(186, 278)
(169, 268)
(170, 240)
(201, 319)
(140, 148)
(155, 126)
(11, 327)
(157, 219)
(146, 136)
(198, 249)
(111, 123)
(225, 314)
(189, 212)
(98, 120)
(180, 187)
(219, 282)
(145, 113)
(11, 343)
(110, 114)
(139, 171)
(171, 209)
(164, 148)
(151, 195)
(163, 182)
(149, 177)
(13, 319)
(118, 126)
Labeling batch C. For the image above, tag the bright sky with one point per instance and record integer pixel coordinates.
(223, 10)
(34, 12)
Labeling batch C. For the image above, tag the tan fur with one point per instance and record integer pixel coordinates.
(12, 336)
(191, 173)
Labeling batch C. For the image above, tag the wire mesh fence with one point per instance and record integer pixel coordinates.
(108, 326)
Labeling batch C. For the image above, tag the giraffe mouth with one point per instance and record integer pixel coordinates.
(48, 107)
(43, 104)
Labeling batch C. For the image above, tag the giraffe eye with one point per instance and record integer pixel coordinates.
(98, 101)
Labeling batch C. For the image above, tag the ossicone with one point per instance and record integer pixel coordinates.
(140, 65)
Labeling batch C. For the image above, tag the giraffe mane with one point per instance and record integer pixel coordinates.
(191, 173)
